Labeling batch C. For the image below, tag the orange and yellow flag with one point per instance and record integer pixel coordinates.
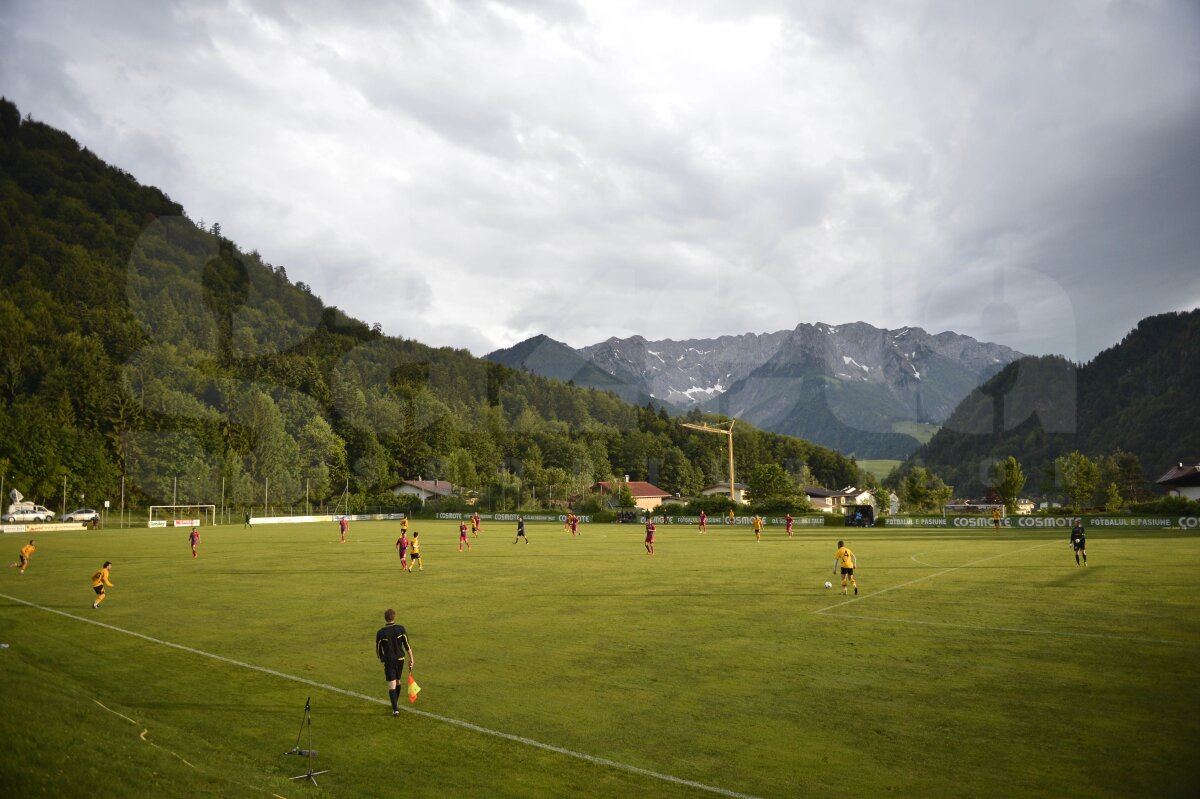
(413, 689)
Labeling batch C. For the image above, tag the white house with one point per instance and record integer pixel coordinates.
(837, 501)
(1182, 480)
(425, 489)
(722, 489)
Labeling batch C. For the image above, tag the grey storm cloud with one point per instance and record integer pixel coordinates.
(473, 173)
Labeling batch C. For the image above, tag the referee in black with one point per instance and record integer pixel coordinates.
(391, 645)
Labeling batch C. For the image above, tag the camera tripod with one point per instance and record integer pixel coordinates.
(307, 751)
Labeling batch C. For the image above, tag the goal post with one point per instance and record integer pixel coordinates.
(182, 515)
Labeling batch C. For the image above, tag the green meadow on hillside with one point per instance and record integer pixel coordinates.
(969, 665)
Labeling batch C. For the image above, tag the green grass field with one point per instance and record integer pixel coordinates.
(921, 431)
(969, 665)
(879, 467)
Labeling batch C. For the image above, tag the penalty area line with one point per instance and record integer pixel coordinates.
(930, 576)
(593, 759)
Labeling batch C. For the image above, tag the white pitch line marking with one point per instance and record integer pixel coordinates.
(145, 730)
(599, 761)
(115, 713)
(931, 576)
(915, 559)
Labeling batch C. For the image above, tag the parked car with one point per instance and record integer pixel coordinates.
(28, 512)
(85, 515)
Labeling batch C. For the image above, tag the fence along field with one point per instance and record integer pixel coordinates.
(972, 663)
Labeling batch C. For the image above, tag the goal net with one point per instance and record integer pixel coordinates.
(182, 515)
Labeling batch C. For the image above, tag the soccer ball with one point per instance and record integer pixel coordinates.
(828, 584)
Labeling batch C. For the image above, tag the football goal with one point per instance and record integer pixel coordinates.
(182, 515)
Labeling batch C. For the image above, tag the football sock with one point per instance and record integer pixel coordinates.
(394, 694)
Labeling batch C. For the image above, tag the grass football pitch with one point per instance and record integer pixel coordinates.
(970, 664)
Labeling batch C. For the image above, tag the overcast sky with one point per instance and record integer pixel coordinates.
(471, 174)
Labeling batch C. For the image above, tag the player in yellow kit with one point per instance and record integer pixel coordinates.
(99, 581)
(757, 524)
(414, 554)
(846, 561)
(26, 553)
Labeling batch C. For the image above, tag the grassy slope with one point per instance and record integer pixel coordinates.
(881, 468)
(1018, 675)
(921, 431)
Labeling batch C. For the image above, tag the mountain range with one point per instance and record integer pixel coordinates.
(1138, 396)
(866, 391)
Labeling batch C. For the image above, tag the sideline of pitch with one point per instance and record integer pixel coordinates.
(593, 759)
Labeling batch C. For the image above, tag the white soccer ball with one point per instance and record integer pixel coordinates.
(828, 584)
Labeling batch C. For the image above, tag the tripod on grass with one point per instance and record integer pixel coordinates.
(307, 751)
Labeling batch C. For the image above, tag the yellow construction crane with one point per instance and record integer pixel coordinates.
(721, 431)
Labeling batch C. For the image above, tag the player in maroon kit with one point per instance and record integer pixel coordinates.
(194, 539)
(343, 524)
(402, 548)
(573, 520)
(475, 524)
(789, 525)
(649, 536)
(703, 522)
(462, 537)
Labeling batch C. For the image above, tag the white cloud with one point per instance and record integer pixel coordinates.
(473, 173)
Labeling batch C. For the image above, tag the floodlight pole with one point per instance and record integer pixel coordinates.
(729, 434)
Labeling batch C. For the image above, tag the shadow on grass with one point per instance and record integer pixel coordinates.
(1069, 578)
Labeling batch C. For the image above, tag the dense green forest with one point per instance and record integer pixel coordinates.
(1136, 398)
(141, 349)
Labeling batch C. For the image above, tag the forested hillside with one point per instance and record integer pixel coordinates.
(137, 345)
(1139, 397)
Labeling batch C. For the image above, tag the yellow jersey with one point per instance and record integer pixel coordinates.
(404, 525)
(28, 550)
(414, 547)
(101, 578)
(758, 524)
(845, 558)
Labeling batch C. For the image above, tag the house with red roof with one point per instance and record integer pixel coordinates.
(425, 489)
(645, 495)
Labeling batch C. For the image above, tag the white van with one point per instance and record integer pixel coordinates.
(28, 512)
